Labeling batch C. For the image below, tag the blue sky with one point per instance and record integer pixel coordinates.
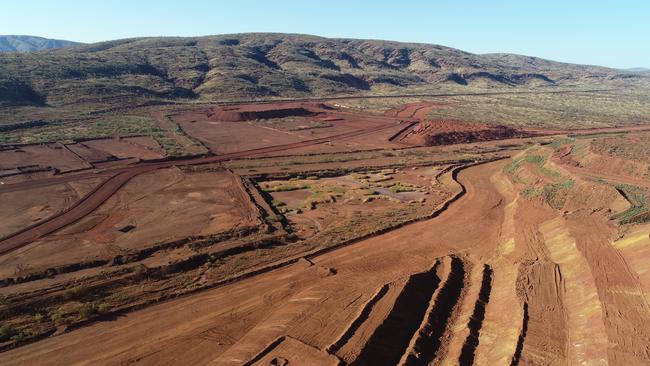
(608, 33)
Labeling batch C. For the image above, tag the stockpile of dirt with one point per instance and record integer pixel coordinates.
(248, 112)
(431, 133)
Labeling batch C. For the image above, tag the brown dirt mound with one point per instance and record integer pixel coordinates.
(431, 133)
(248, 112)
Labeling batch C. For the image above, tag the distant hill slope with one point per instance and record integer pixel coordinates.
(639, 70)
(12, 43)
(263, 65)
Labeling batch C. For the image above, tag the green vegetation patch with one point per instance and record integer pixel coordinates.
(532, 192)
(561, 141)
(561, 110)
(399, 187)
(284, 187)
(631, 146)
(555, 194)
(513, 166)
(7, 332)
(536, 160)
(106, 127)
(638, 211)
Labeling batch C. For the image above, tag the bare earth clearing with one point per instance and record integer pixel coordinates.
(311, 233)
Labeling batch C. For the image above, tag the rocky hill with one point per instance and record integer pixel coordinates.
(265, 65)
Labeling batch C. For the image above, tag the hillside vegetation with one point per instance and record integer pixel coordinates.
(249, 66)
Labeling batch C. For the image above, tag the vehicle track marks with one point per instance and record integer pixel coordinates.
(361, 318)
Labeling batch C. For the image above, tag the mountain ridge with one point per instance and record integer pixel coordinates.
(269, 65)
(26, 43)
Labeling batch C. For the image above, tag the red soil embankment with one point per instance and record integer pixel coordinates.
(440, 132)
(563, 155)
(431, 133)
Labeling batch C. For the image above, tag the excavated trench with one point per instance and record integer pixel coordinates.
(390, 340)
(476, 321)
(429, 339)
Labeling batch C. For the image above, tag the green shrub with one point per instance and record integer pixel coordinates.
(285, 188)
(512, 167)
(532, 192)
(60, 316)
(73, 293)
(638, 204)
(7, 331)
(86, 311)
(397, 188)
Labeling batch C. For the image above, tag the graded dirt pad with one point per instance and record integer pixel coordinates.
(50, 156)
(358, 142)
(139, 215)
(23, 208)
(18, 163)
(88, 153)
(226, 137)
(107, 149)
(275, 124)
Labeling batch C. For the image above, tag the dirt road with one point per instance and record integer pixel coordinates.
(303, 309)
(118, 177)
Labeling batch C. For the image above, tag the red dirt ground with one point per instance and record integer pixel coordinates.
(224, 133)
(23, 208)
(199, 204)
(501, 272)
(130, 147)
(302, 300)
(437, 132)
(54, 156)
